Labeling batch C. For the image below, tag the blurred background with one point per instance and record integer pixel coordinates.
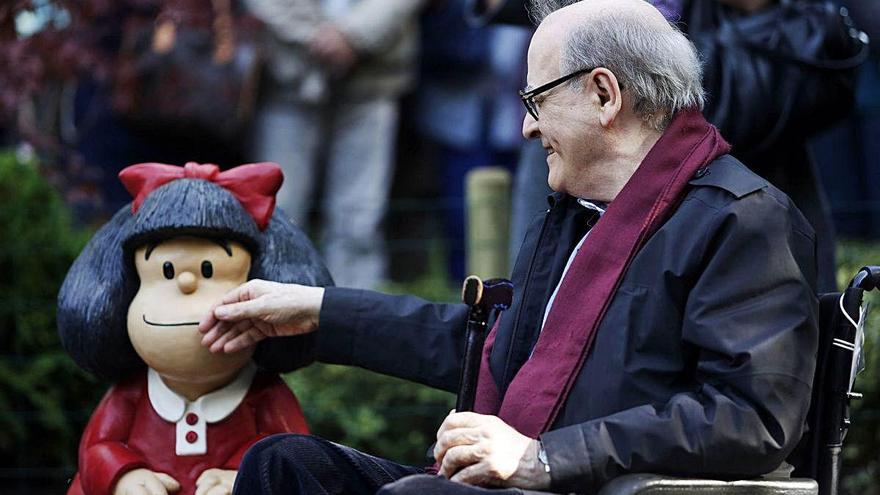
(88, 87)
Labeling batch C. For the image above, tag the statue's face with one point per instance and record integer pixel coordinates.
(181, 279)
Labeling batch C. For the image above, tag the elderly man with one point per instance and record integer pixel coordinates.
(664, 310)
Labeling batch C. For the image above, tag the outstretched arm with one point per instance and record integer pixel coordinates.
(402, 336)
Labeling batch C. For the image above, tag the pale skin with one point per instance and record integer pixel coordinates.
(180, 281)
(594, 143)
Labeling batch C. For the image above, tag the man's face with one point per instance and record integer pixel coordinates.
(566, 122)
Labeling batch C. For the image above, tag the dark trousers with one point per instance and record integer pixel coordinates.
(302, 464)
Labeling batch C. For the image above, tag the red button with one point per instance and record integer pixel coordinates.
(192, 436)
(192, 418)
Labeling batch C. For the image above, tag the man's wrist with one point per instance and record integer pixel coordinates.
(317, 303)
(542, 457)
(537, 477)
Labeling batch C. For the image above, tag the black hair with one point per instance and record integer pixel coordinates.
(94, 299)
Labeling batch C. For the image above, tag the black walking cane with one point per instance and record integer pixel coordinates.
(481, 297)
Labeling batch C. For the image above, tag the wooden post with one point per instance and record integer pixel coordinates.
(487, 196)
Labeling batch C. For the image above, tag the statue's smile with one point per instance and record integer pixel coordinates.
(148, 322)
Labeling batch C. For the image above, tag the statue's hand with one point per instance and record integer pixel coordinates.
(259, 309)
(216, 482)
(145, 482)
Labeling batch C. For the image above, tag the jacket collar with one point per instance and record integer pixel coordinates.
(216, 406)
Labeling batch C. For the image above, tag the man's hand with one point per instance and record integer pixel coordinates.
(216, 482)
(330, 46)
(476, 449)
(145, 482)
(260, 309)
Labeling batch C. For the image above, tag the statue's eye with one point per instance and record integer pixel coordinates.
(207, 269)
(168, 270)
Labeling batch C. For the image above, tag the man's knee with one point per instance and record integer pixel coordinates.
(274, 458)
(283, 447)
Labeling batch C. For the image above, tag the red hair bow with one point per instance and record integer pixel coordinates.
(254, 185)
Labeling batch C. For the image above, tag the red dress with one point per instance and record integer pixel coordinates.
(125, 432)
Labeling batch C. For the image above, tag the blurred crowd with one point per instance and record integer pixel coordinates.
(375, 109)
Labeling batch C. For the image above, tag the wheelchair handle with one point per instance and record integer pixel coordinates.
(868, 278)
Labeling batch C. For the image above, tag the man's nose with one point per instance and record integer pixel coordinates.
(187, 282)
(530, 127)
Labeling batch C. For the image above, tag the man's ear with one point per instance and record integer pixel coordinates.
(609, 95)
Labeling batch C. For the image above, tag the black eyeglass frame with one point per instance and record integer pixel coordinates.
(528, 97)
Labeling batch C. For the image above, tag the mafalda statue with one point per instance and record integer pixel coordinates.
(179, 418)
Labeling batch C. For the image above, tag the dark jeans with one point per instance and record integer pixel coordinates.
(303, 464)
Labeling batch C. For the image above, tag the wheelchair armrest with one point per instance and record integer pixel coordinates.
(644, 484)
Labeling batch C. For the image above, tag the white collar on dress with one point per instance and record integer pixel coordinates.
(216, 406)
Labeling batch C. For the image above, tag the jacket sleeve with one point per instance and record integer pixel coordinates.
(402, 336)
(751, 318)
(371, 26)
(104, 455)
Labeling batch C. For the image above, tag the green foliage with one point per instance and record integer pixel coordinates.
(862, 462)
(44, 397)
(373, 413)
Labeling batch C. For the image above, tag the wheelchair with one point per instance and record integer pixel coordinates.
(817, 458)
(816, 461)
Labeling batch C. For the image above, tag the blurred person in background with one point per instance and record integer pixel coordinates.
(84, 73)
(336, 70)
(847, 154)
(466, 107)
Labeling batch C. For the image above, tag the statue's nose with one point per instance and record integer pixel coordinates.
(187, 282)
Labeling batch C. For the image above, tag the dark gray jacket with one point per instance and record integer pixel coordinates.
(702, 366)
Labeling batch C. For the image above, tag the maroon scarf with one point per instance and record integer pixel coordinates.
(539, 389)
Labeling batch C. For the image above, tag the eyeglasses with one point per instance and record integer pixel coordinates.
(528, 97)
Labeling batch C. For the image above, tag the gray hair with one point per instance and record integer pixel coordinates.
(660, 68)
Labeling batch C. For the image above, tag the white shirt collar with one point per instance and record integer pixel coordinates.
(592, 206)
(215, 406)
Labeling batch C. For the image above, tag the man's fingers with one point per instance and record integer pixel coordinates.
(208, 321)
(168, 482)
(244, 292)
(218, 329)
(450, 438)
(237, 310)
(458, 457)
(464, 420)
(475, 474)
(231, 333)
(244, 340)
